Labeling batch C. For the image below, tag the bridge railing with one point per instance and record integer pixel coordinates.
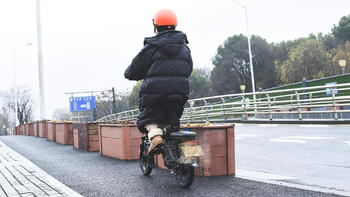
(331, 102)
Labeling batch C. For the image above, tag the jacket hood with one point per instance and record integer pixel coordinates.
(168, 42)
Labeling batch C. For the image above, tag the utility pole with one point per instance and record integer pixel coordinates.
(114, 109)
(250, 53)
(40, 64)
(15, 85)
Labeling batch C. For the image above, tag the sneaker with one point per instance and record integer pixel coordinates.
(156, 142)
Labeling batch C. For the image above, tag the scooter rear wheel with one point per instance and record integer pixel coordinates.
(185, 175)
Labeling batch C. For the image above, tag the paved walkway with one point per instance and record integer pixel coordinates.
(20, 177)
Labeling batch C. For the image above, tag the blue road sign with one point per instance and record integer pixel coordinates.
(329, 90)
(82, 103)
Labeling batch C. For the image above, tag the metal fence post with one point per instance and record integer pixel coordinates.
(334, 105)
(206, 109)
(269, 103)
(244, 108)
(191, 110)
(310, 98)
(223, 106)
(299, 105)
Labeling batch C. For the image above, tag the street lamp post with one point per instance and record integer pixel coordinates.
(244, 116)
(40, 64)
(242, 88)
(342, 64)
(15, 78)
(250, 51)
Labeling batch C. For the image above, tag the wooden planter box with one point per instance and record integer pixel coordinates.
(218, 145)
(64, 133)
(18, 130)
(42, 130)
(24, 129)
(121, 142)
(29, 129)
(36, 129)
(86, 136)
(15, 131)
(51, 131)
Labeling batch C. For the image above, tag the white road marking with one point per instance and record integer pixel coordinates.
(248, 135)
(309, 138)
(261, 175)
(268, 125)
(281, 180)
(288, 140)
(241, 136)
(313, 125)
(347, 142)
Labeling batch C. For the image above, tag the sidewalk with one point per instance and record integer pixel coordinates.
(20, 177)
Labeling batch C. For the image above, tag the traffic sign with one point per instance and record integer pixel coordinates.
(82, 103)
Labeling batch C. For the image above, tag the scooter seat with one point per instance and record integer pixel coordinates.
(183, 134)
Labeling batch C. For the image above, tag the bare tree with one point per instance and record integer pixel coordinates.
(104, 103)
(24, 100)
(61, 114)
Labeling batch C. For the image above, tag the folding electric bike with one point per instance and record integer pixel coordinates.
(179, 153)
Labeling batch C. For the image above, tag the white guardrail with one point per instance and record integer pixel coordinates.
(331, 102)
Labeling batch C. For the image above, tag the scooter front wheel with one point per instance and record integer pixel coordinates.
(144, 163)
(185, 175)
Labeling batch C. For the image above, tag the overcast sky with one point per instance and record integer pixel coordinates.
(87, 44)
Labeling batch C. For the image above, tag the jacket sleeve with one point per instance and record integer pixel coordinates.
(190, 61)
(140, 64)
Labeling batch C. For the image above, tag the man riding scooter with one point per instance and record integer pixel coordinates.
(164, 64)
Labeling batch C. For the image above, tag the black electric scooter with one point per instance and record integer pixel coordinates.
(179, 152)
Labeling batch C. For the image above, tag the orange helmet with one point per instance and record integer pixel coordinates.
(165, 17)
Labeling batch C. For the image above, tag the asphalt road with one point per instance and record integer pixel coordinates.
(93, 175)
(310, 155)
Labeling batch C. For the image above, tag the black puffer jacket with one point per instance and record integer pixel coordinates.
(165, 64)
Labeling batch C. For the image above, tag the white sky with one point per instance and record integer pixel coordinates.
(87, 44)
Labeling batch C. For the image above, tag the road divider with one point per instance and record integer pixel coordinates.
(218, 146)
(86, 136)
(42, 129)
(122, 141)
(64, 133)
(51, 131)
